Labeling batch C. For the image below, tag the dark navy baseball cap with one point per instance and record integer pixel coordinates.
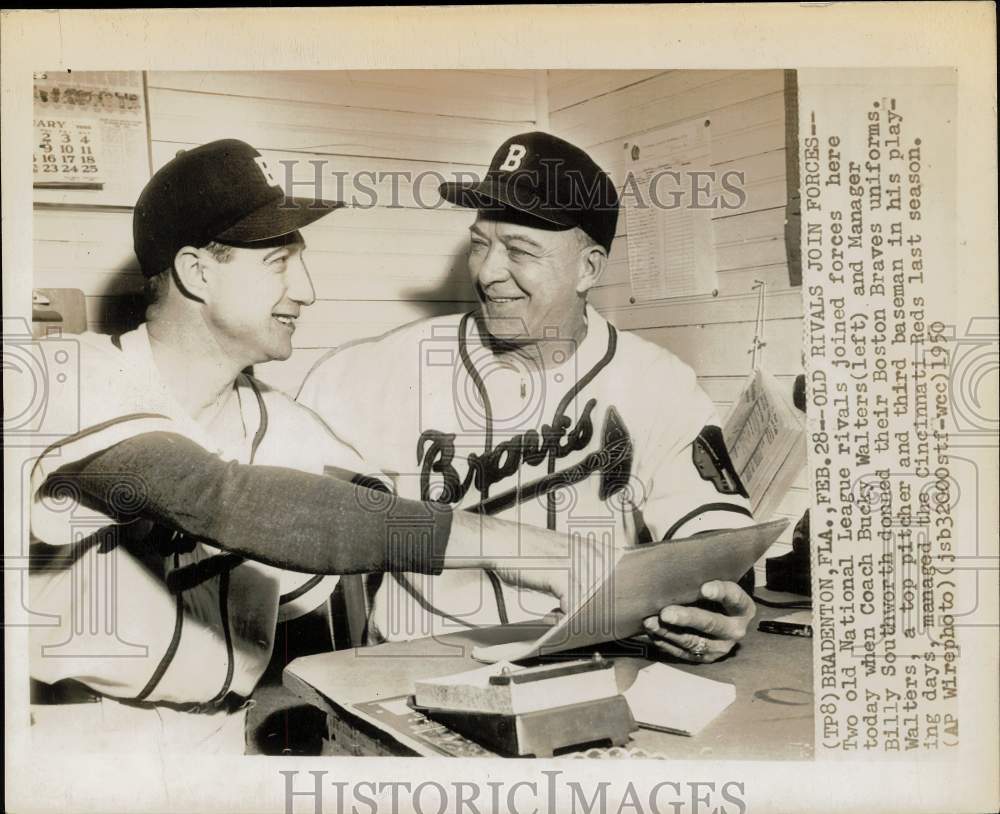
(222, 191)
(552, 181)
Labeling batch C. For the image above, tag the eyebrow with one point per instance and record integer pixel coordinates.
(523, 239)
(286, 248)
(505, 240)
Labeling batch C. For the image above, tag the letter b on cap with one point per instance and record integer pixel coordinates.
(265, 171)
(515, 155)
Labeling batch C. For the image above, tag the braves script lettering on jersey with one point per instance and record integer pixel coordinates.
(447, 419)
(137, 611)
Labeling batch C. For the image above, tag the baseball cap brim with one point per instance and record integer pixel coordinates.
(488, 194)
(278, 217)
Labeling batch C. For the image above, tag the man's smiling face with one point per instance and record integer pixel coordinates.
(527, 279)
(255, 296)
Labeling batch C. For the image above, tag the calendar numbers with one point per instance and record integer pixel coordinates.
(66, 152)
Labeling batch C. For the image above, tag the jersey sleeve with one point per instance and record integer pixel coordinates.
(690, 482)
(308, 444)
(105, 402)
(275, 515)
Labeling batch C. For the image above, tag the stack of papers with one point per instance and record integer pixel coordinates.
(766, 438)
(472, 691)
(670, 700)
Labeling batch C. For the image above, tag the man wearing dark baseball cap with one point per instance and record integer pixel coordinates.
(206, 487)
(534, 407)
(223, 191)
(554, 184)
(211, 223)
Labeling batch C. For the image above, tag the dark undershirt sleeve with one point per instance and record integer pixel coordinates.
(282, 517)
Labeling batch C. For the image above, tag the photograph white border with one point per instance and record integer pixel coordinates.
(959, 35)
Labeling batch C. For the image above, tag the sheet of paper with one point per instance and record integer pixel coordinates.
(765, 435)
(671, 700)
(644, 580)
(671, 251)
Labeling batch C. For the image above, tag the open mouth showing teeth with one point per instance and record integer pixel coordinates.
(504, 299)
(284, 319)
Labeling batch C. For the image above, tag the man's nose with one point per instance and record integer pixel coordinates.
(300, 287)
(494, 266)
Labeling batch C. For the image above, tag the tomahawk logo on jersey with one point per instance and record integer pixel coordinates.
(620, 421)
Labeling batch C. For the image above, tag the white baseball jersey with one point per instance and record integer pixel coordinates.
(110, 614)
(448, 419)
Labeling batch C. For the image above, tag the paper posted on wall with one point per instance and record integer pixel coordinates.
(671, 248)
(766, 437)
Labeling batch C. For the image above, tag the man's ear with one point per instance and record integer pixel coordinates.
(592, 265)
(190, 273)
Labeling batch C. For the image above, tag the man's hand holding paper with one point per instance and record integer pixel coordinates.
(701, 632)
(697, 634)
(704, 632)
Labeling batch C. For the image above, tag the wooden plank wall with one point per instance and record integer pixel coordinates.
(373, 267)
(602, 110)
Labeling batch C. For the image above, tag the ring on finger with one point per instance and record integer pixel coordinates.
(699, 647)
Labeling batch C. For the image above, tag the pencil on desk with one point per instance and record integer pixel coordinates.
(785, 628)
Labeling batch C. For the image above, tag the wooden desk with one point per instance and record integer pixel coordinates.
(771, 719)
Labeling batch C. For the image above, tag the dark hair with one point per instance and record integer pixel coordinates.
(220, 251)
